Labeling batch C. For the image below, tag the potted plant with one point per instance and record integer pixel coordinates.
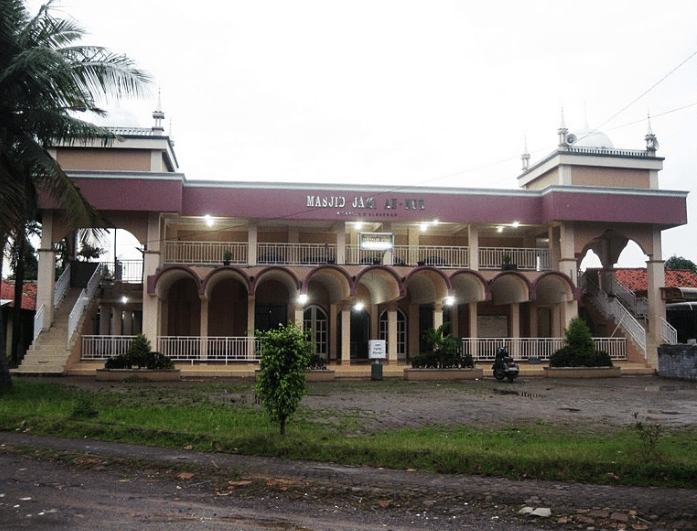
(578, 357)
(317, 370)
(506, 264)
(444, 359)
(227, 257)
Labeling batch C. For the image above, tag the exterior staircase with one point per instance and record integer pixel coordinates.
(49, 353)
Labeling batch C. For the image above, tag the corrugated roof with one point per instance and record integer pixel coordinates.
(7, 292)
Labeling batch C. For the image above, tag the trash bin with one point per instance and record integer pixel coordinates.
(376, 371)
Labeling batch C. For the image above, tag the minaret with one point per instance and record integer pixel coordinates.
(525, 157)
(158, 115)
(651, 140)
(562, 132)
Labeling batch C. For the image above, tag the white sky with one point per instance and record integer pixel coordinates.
(437, 93)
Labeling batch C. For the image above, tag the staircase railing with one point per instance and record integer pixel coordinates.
(637, 305)
(613, 308)
(62, 286)
(41, 315)
(39, 321)
(83, 301)
(668, 333)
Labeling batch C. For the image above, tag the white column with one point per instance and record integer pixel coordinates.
(392, 333)
(437, 315)
(346, 335)
(515, 327)
(473, 244)
(413, 330)
(46, 278)
(333, 331)
(474, 333)
(152, 320)
(656, 280)
(204, 328)
(252, 244)
(341, 242)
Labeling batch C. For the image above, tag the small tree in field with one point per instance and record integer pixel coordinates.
(281, 384)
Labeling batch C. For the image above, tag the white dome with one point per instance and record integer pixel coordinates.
(592, 139)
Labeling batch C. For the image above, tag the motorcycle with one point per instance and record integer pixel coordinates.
(504, 366)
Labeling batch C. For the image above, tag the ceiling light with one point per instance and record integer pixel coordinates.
(208, 219)
(358, 306)
(499, 229)
(303, 298)
(515, 224)
(424, 226)
(449, 300)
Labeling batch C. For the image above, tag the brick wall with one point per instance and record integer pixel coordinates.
(678, 361)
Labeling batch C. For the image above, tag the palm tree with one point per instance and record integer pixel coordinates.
(46, 78)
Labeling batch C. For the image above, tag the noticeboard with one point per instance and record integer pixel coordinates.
(377, 349)
(376, 241)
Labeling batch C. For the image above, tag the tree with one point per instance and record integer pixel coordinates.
(678, 262)
(281, 384)
(46, 77)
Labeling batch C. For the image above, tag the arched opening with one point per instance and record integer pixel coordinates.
(315, 321)
(271, 309)
(183, 308)
(227, 309)
(402, 335)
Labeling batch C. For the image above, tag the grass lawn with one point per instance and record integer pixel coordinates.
(224, 418)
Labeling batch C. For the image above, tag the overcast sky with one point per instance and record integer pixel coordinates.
(395, 92)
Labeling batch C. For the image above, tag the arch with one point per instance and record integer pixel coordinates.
(335, 280)
(160, 283)
(469, 286)
(554, 287)
(280, 274)
(224, 273)
(427, 284)
(510, 287)
(382, 284)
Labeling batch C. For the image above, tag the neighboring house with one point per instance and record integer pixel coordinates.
(7, 296)
(680, 295)
(354, 263)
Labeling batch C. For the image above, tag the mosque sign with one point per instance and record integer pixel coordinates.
(376, 241)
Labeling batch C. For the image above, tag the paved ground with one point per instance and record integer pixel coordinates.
(264, 493)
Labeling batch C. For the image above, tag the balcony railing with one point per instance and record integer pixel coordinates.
(205, 252)
(129, 271)
(526, 259)
(541, 348)
(226, 349)
(312, 254)
(296, 253)
(103, 347)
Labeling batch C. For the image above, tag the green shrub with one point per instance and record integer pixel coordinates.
(281, 384)
(139, 355)
(579, 349)
(445, 351)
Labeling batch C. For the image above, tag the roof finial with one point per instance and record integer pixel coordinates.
(159, 115)
(562, 131)
(525, 157)
(650, 137)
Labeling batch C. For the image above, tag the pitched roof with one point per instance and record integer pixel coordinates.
(7, 292)
(635, 279)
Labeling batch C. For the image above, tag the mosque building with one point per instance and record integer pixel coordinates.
(354, 263)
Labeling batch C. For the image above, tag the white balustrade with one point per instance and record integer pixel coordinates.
(129, 271)
(187, 348)
(668, 333)
(62, 286)
(210, 253)
(103, 347)
(40, 321)
(526, 259)
(524, 348)
(295, 253)
(82, 302)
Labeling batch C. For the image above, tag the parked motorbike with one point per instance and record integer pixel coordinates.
(504, 366)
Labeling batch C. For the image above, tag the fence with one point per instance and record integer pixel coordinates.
(541, 348)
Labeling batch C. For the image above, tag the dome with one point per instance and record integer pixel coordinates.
(591, 138)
